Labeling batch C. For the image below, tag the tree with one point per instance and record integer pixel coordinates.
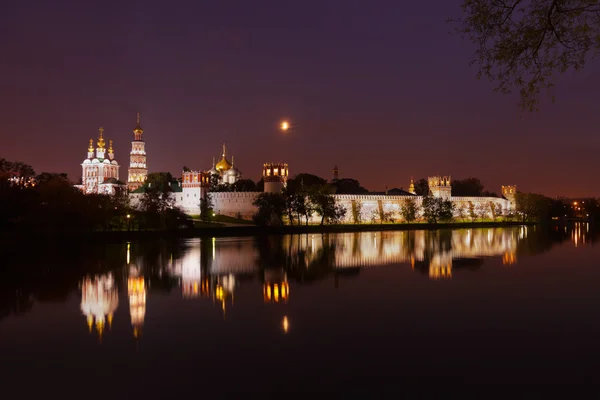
(495, 210)
(409, 210)
(244, 185)
(271, 207)
(214, 182)
(356, 211)
(206, 208)
(348, 186)
(467, 187)
(305, 182)
(462, 211)
(472, 211)
(482, 210)
(437, 209)
(326, 206)
(532, 207)
(161, 181)
(186, 169)
(523, 44)
(421, 187)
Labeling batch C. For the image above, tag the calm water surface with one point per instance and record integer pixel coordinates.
(469, 310)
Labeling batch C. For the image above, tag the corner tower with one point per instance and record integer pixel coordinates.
(440, 186)
(275, 176)
(138, 171)
(509, 192)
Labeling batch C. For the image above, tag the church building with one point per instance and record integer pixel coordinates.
(100, 170)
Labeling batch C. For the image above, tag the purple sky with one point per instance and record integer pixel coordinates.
(378, 87)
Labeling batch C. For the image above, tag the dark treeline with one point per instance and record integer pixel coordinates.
(49, 203)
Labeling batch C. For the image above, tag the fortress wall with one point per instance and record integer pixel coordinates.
(240, 203)
(234, 203)
(369, 205)
(480, 202)
(189, 200)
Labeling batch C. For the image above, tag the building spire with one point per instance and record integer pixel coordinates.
(110, 148)
(232, 161)
(138, 131)
(91, 146)
(223, 149)
(213, 162)
(138, 119)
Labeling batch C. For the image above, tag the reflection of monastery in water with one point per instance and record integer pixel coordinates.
(438, 248)
(214, 268)
(99, 301)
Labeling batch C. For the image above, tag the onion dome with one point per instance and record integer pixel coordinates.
(138, 131)
(100, 138)
(110, 148)
(233, 171)
(91, 146)
(213, 170)
(224, 164)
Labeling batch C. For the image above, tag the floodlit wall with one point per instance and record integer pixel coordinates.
(236, 204)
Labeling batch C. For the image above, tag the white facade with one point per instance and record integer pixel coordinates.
(100, 170)
(138, 169)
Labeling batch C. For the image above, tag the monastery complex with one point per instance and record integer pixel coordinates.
(100, 174)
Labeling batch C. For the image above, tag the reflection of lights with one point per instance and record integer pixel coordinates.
(136, 288)
(285, 324)
(275, 292)
(214, 240)
(509, 258)
(128, 246)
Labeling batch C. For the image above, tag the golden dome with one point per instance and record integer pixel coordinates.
(224, 164)
(101, 138)
(138, 131)
(91, 146)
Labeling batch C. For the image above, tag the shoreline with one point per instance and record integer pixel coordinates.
(251, 230)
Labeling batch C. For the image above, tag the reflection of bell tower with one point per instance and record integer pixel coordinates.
(136, 289)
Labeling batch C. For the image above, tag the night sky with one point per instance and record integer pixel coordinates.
(378, 87)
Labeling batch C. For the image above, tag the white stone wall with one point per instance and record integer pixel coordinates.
(234, 203)
(189, 200)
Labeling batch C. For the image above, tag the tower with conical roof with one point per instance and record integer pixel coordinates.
(138, 170)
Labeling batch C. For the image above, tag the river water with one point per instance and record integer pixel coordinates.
(425, 311)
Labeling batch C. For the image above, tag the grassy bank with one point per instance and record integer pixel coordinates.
(220, 230)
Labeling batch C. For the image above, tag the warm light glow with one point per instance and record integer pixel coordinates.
(128, 216)
(285, 324)
(285, 125)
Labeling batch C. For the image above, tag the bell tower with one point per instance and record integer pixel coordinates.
(138, 170)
